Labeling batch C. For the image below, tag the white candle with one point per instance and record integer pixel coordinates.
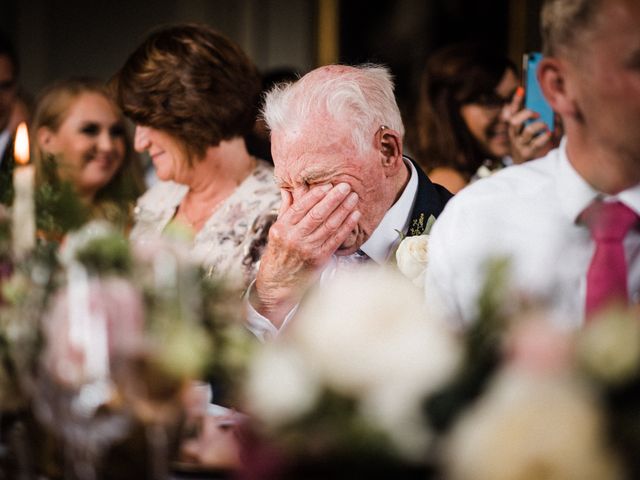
(24, 221)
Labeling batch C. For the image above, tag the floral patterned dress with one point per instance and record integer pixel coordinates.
(230, 243)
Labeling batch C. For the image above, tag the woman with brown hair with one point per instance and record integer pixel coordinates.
(194, 95)
(81, 138)
(469, 117)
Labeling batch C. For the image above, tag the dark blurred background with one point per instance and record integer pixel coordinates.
(59, 38)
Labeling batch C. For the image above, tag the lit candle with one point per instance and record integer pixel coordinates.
(24, 222)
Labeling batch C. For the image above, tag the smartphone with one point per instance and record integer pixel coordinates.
(534, 99)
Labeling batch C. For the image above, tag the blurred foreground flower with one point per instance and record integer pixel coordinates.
(113, 298)
(100, 339)
(609, 347)
(528, 427)
(353, 369)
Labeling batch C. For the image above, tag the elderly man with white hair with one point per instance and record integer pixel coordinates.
(347, 190)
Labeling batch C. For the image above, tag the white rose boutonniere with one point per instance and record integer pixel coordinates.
(412, 253)
(412, 256)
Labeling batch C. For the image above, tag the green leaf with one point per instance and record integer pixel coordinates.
(431, 220)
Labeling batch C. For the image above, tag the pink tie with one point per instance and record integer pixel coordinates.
(607, 275)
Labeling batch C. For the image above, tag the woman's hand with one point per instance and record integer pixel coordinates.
(528, 140)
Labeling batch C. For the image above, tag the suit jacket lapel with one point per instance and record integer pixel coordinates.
(430, 200)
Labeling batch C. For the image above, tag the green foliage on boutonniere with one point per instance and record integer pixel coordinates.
(420, 227)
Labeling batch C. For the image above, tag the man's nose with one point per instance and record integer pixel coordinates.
(141, 139)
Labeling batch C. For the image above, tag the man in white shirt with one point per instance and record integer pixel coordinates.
(336, 140)
(534, 213)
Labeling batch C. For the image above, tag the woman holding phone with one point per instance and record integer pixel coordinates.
(470, 118)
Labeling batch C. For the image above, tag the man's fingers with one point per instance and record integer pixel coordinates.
(322, 210)
(333, 242)
(286, 201)
(299, 209)
(331, 224)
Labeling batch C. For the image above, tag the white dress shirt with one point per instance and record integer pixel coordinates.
(378, 247)
(528, 213)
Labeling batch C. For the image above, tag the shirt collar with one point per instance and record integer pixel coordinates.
(576, 194)
(385, 237)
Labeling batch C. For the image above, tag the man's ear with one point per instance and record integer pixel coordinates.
(552, 76)
(46, 139)
(389, 144)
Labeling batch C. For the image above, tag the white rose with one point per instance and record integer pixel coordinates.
(412, 256)
(367, 328)
(281, 386)
(367, 334)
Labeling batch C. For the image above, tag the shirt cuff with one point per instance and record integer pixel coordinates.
(260, 325)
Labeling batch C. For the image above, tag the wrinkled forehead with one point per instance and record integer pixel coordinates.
(311, 147)
(319, 131)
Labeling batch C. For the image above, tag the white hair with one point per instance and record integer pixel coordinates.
(360, 98)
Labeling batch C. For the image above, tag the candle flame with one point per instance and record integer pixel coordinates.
(21, 145)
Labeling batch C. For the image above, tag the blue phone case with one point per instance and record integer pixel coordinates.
(534, 100)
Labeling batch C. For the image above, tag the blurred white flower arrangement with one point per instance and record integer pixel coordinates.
(361, 344)
(362, 373)
(97, 332)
